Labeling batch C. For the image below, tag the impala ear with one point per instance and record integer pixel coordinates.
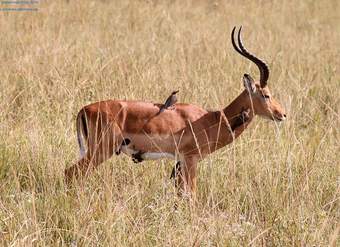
(249, 83)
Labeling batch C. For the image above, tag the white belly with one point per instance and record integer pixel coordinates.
(148, 155)
(156, 156)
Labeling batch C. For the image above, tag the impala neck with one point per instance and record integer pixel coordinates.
(238, 105)
(241, 103)
(217, 133)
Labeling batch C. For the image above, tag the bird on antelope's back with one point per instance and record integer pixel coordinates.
(171, 100)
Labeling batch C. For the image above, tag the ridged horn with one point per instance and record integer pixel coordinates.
(263, 68)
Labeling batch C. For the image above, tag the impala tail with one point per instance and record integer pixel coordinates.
(82, 132)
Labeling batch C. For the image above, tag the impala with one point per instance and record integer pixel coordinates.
(186, 133)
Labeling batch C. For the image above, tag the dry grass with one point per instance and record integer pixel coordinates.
(275, 186)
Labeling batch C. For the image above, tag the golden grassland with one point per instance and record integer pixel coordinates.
(277, 185)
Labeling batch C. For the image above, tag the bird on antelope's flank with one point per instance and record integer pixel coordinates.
(171, 100)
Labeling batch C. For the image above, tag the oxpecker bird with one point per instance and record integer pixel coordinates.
(171, 100)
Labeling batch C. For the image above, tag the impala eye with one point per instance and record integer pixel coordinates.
(266, 96)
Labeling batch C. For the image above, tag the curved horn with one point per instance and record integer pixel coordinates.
(233, 42)
(264, 71)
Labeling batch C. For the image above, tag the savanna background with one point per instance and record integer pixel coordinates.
(277, 185)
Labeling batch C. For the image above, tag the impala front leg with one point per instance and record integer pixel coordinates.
(186, 182)
(176, 170)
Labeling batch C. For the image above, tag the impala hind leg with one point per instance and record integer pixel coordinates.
(100, 149)
(78, 169)
(89, 162)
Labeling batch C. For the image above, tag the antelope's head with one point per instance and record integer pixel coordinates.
(261, 99)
